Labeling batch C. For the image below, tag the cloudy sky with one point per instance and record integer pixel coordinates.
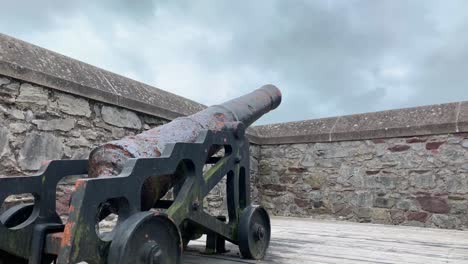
(328, 57)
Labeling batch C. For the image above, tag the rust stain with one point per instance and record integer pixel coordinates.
(67, 235)
(79, 184)
(56, 237)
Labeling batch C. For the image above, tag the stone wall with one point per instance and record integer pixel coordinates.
(42, 124)
(406, 166)
(419, 181)
(39, 124)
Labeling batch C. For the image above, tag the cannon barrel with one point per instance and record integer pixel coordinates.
(109, 159)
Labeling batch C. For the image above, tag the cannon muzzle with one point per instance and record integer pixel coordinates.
(248, 108)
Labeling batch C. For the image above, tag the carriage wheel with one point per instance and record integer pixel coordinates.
(146, 238)
(17, 214)
(14, 217)
(254, 232)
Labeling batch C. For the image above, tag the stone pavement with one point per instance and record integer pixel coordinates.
(296, 240)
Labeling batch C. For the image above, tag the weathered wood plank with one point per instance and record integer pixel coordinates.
(297, 240)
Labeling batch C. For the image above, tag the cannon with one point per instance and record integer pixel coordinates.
(131, 178)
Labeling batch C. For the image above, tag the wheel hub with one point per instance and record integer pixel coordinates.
(260, 232)
(152, 253)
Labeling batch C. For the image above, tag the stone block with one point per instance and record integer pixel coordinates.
(296, 151)
(29, 116)
(273, 189)
(456, 184)
(417, 216)
(445, 221)
(118, 133)
(416, 140)
(9, 88)
(341, 209)
(379, 215)
(414, 223)
(316, 180)
(55, 124)
(433, 204)
(399, 148)
(297, 169)
(434, 145)
(17, 128)
(397, 217)
(388, 182)
(381, 202)
(272, 152)
(291, 178)
(465, 143)
(37, 148)
(459, 207)
(120, 117)
(73, 105)
(423, 181)
(91, 134)
(4, 81)
(4, 134)
(407, 205)
(153, 121)
(17, 114)
(32, 94)
(454, 140)
(362, 199)
(302, 203)
(363, 214)
(84, 123)
(78, 142)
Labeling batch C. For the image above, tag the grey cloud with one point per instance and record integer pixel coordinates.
(329, 57)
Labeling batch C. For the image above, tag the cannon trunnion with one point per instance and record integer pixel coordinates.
(34, 233)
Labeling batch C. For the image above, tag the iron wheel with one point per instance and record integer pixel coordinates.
(254, 232)
(17, 215)
(146, 238)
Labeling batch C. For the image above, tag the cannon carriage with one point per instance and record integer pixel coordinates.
(128, 177)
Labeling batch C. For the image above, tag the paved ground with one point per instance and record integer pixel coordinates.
(312, 241)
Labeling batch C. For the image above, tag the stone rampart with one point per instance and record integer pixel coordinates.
(406, 166)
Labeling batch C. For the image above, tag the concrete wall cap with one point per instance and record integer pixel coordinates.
(416, 121)
(30, 63)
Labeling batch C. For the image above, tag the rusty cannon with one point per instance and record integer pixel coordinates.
(132, 179)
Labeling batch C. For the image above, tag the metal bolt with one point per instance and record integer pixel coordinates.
(152, 253)
(195, 205)
(156, 255)
(260, 232)
(239, 131)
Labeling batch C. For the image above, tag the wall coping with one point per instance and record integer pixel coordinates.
(416, 121)
(30, 63)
